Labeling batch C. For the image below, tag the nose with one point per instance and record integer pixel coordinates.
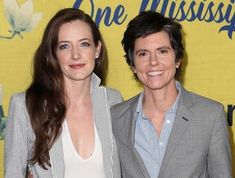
(75, 53)
(154, 60)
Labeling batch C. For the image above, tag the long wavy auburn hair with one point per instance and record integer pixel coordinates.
(45, 97)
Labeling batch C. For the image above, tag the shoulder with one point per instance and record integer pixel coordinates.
(18, 114)
(17, 109)
(113, 95)
(200, 100)
(127, 102)
(200, 105)
(111, 92)
(18, 99)
(120, 108)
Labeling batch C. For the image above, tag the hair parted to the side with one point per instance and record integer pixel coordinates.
(45, 97)
(149, 22)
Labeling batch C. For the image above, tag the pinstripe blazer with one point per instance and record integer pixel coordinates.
(198, 146)
(20, 137)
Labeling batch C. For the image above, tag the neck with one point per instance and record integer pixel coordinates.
(160, 100)
(78, 91)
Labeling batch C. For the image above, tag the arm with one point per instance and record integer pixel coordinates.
(16, 150)
(219, 156)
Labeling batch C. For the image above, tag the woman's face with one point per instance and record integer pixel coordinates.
(154, 61)
(76, 51)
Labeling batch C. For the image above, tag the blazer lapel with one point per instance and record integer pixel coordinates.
(57, 161)
(103, 125)
(182, 120)
(131, 135)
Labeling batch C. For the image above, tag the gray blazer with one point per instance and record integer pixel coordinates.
(20, 137)
(198, 146)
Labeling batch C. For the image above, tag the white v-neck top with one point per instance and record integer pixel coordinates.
(75, 165)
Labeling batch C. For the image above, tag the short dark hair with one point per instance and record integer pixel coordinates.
(149, 22)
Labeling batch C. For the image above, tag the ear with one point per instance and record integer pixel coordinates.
(133, 69)
(98, 48)
(177, 64)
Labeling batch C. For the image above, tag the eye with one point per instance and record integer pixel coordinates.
(85, 44)
(142, 54)
(163, 51)
(63, 46)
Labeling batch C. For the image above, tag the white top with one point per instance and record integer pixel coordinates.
(75, 165)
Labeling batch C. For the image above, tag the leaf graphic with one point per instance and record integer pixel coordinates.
(25, 17)
(21, 18)
(34, 21)
(12, 10)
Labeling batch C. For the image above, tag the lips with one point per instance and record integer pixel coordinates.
(155, 73)
(76, 66)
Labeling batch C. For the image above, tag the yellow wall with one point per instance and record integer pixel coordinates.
(210, 61)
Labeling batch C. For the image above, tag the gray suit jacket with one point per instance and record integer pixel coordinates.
(198, 146)
(20, 137)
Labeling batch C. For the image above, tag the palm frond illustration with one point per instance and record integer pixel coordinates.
(21, 18)
(2, 127)
(2, 118)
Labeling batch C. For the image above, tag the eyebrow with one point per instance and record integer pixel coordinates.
(164, 47)
(141, 50)
(82, 39)
(159, 48)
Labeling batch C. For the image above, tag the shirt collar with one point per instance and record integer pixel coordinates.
(95, 82)
(172, 109)
(139, 109)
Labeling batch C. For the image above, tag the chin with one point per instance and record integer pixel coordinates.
(155, 85)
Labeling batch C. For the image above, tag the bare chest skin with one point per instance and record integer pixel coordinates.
(81, 127)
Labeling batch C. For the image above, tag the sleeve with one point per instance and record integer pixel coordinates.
(219, 156)
(16, 150)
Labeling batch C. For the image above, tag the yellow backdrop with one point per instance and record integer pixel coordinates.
(209, 39)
